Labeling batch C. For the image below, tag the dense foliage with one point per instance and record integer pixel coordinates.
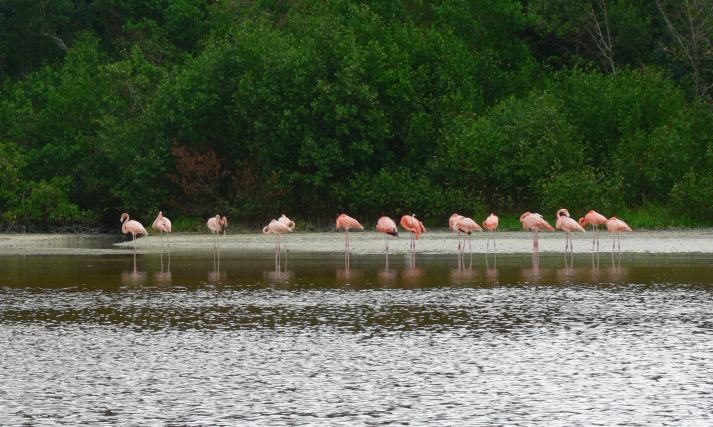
(311, 107)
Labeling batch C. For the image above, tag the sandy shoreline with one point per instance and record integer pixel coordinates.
(438, 242)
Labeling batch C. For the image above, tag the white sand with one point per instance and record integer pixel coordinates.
(439, 242)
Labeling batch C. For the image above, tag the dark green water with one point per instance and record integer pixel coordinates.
(99, 339)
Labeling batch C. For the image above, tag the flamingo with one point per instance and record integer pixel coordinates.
(595, 219)
(616, 226)
(452, 225)
(163, 225)
(410, 223)
(535, 222)
(217, 225)
(278, 227)
(289, 223)
(467, 226)
(568, 225)
(387, 226)
(132, 226)
(346, 222)
(491, 224)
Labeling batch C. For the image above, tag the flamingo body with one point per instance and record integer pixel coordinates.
(346, 222)
(214, 224)
(217, 224)
(592, 218)
(534, 222)
(467, 225)
(491, 222)
(615, 225)
(161, 223)
(387, 225)
(276, 227)
(286, 221)
(410, 223)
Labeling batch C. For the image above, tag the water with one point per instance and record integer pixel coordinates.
(98, 339)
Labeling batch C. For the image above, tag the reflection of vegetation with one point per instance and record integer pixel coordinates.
(251, 109)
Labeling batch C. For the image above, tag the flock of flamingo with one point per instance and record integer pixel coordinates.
(460, 224)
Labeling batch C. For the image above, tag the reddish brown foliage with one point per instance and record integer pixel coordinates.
(198, 174)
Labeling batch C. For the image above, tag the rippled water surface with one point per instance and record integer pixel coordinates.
(124, 340)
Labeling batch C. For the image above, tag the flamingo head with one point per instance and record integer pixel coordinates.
(583, 222)
(563, 212)
(522, 217)
(124, 217)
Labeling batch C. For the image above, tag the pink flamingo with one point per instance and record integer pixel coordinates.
(535, 222)
(217, 225)
(595, 219)
(410, 223)
(163, 225)
(569, 226)
(616, 226)
(387, 226)
(277, 227)
(467, 226)
(132, 226)
(452, 225)
(289, 223)
(346, 222)
(491, 224)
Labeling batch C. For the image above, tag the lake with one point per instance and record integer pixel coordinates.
(121, 338)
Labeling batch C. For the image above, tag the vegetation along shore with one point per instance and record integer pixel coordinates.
(313, 108)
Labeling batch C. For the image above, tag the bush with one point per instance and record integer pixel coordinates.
(509, 151)
(582, 190)
(46, 203)
(693, 195)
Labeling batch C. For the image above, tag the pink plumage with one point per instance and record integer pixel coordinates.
(491, 222)
(410, 223)
(286, 221)
(534, 222)
(565, 223)
(452, 221)
(130, 226)
(467, 225)
(615, 225)
(217, 224)
(161, 223)
(276, 227)
(346, 222)
(387, 225)
(594, 218)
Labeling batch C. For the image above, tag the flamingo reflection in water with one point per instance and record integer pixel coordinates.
(463, 274)
(134, 277)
